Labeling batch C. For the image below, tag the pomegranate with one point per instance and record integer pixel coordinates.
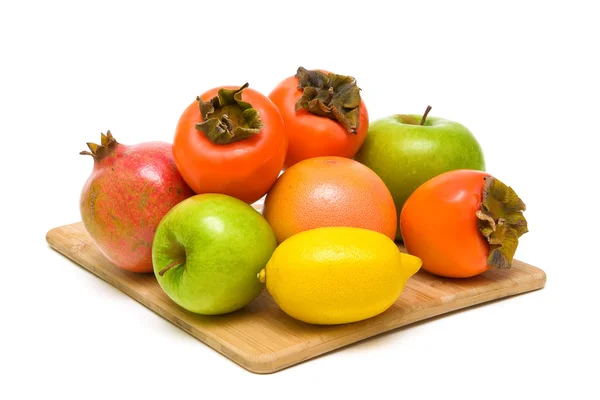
(129, 191)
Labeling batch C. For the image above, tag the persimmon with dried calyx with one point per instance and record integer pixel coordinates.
(232, 141)
(324, 115)
(462, 223)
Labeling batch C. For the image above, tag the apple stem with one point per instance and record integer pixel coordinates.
(172, 265)
(425, 115)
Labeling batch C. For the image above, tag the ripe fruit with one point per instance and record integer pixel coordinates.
(462, 223)
(231, 140)
(207, 252)
(407, 150)
(337, 275)
(324, 115)
(130, 189)
(329, 191)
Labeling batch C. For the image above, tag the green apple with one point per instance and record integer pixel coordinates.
(406, 150)
(207, 252)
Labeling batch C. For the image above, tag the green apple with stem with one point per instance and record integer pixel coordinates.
(207, 252)
(406, 150)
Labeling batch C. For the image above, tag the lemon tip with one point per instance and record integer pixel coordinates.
(262, 276)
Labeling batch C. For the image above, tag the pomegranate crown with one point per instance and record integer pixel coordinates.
(106, 146)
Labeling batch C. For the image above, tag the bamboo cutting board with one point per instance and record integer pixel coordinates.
(263, 339)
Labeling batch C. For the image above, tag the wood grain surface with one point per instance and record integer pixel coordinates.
(263, 339)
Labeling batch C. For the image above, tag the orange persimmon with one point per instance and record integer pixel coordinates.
(324, 115)
(232, 141)
(462, 223)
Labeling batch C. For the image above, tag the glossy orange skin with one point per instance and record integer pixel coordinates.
(329, 191)
(245, 169)
(439, 225)
(311, 135)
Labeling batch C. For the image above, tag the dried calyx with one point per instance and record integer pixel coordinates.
(330, 95)
(106, 147)
(501, 221)
(226, 118)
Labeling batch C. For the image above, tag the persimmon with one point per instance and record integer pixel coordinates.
(462, 223)
(232, 141)
(324, 115)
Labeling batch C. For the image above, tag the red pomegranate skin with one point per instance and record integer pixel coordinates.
(129, 191)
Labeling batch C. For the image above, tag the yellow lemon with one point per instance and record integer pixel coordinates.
(337, 275)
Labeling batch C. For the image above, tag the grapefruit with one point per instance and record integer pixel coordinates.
(329, 192)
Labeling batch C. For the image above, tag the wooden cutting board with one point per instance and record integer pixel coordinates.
(263, 339)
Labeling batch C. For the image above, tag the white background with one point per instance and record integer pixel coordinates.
(522, 76)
